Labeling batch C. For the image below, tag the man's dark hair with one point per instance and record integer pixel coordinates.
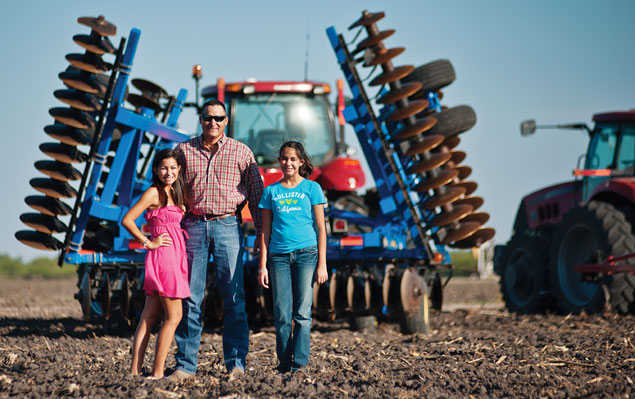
(211, 103)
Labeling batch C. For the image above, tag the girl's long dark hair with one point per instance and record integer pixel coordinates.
(306, 169)
(178, 187)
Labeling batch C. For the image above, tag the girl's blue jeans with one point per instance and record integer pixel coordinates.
(291, 278)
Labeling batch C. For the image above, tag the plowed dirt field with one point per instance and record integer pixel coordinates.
(475, 349)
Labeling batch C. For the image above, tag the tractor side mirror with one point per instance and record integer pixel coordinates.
(528, 127)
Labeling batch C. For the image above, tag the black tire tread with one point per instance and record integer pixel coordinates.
(434, 76)
(617, 232)
(536, 243)
(453, 121)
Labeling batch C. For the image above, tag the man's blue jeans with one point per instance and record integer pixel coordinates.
(221, 238)
(291, 277)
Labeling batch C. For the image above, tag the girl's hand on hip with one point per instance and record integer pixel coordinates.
(321, 275)
(163, 240)
(263, 278)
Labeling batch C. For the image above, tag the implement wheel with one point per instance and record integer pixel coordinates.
(434, 76)
(589, 233)
(524, 277)
(453, 121)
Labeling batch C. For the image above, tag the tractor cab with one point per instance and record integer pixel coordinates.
(265, 114)
(611, 151)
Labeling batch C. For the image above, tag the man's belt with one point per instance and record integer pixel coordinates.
(208, 216)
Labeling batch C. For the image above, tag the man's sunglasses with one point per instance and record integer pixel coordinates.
(217, 118)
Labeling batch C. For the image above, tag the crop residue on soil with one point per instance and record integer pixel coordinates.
(47, 351)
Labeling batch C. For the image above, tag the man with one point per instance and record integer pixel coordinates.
(220, 175)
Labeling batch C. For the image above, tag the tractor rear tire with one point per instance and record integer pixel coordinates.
(434, 76)
(587, 233)
(524, 278)
(453, 121)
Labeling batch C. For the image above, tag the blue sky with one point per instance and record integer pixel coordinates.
(556, 61)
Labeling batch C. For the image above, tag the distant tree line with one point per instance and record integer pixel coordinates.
(41, 267)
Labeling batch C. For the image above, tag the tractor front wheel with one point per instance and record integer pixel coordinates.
(524, 277)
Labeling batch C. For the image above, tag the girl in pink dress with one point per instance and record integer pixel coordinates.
(166, 273)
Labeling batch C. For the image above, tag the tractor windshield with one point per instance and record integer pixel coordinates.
(265, 121)
(602, 146)
(612, 147)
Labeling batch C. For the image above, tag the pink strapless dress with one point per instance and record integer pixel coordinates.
(166, 267)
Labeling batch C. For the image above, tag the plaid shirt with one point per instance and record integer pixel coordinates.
(220, 184)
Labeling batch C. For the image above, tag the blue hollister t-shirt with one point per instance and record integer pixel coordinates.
(292, 215)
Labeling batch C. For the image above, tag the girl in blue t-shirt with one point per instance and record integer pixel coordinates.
(293, 244)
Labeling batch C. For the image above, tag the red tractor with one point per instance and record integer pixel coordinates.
(567, 238)
(265, 114)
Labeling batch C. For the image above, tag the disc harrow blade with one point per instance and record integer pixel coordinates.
(469, 186)
(411, 290)
(69, 135)
(451, 142)
(423, 144)
(464, 172)
(58, 170)
(391, 291)
(95, 44)
(125, 295)
(373, 40)
(355, 294)
(99, 25)
(46, 224)
(421, 126)
(85, 295)
(382, 56)
(458, 212)
(395, 95)
(73, 117)
(464, 229)
(392, 76)
(149, 89)
(337, 294)
(84, 81)
(457, 157)
(53, 188)
(413, 108)
(479, 217)
(63, 152)
(139, 101)
(441, 179)
(476, 202)
(89, 62)
(38, 240)
(78, 100)
(47, 205)
(368, 18)
(476, 239)
(451, 194)
(425, 165)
